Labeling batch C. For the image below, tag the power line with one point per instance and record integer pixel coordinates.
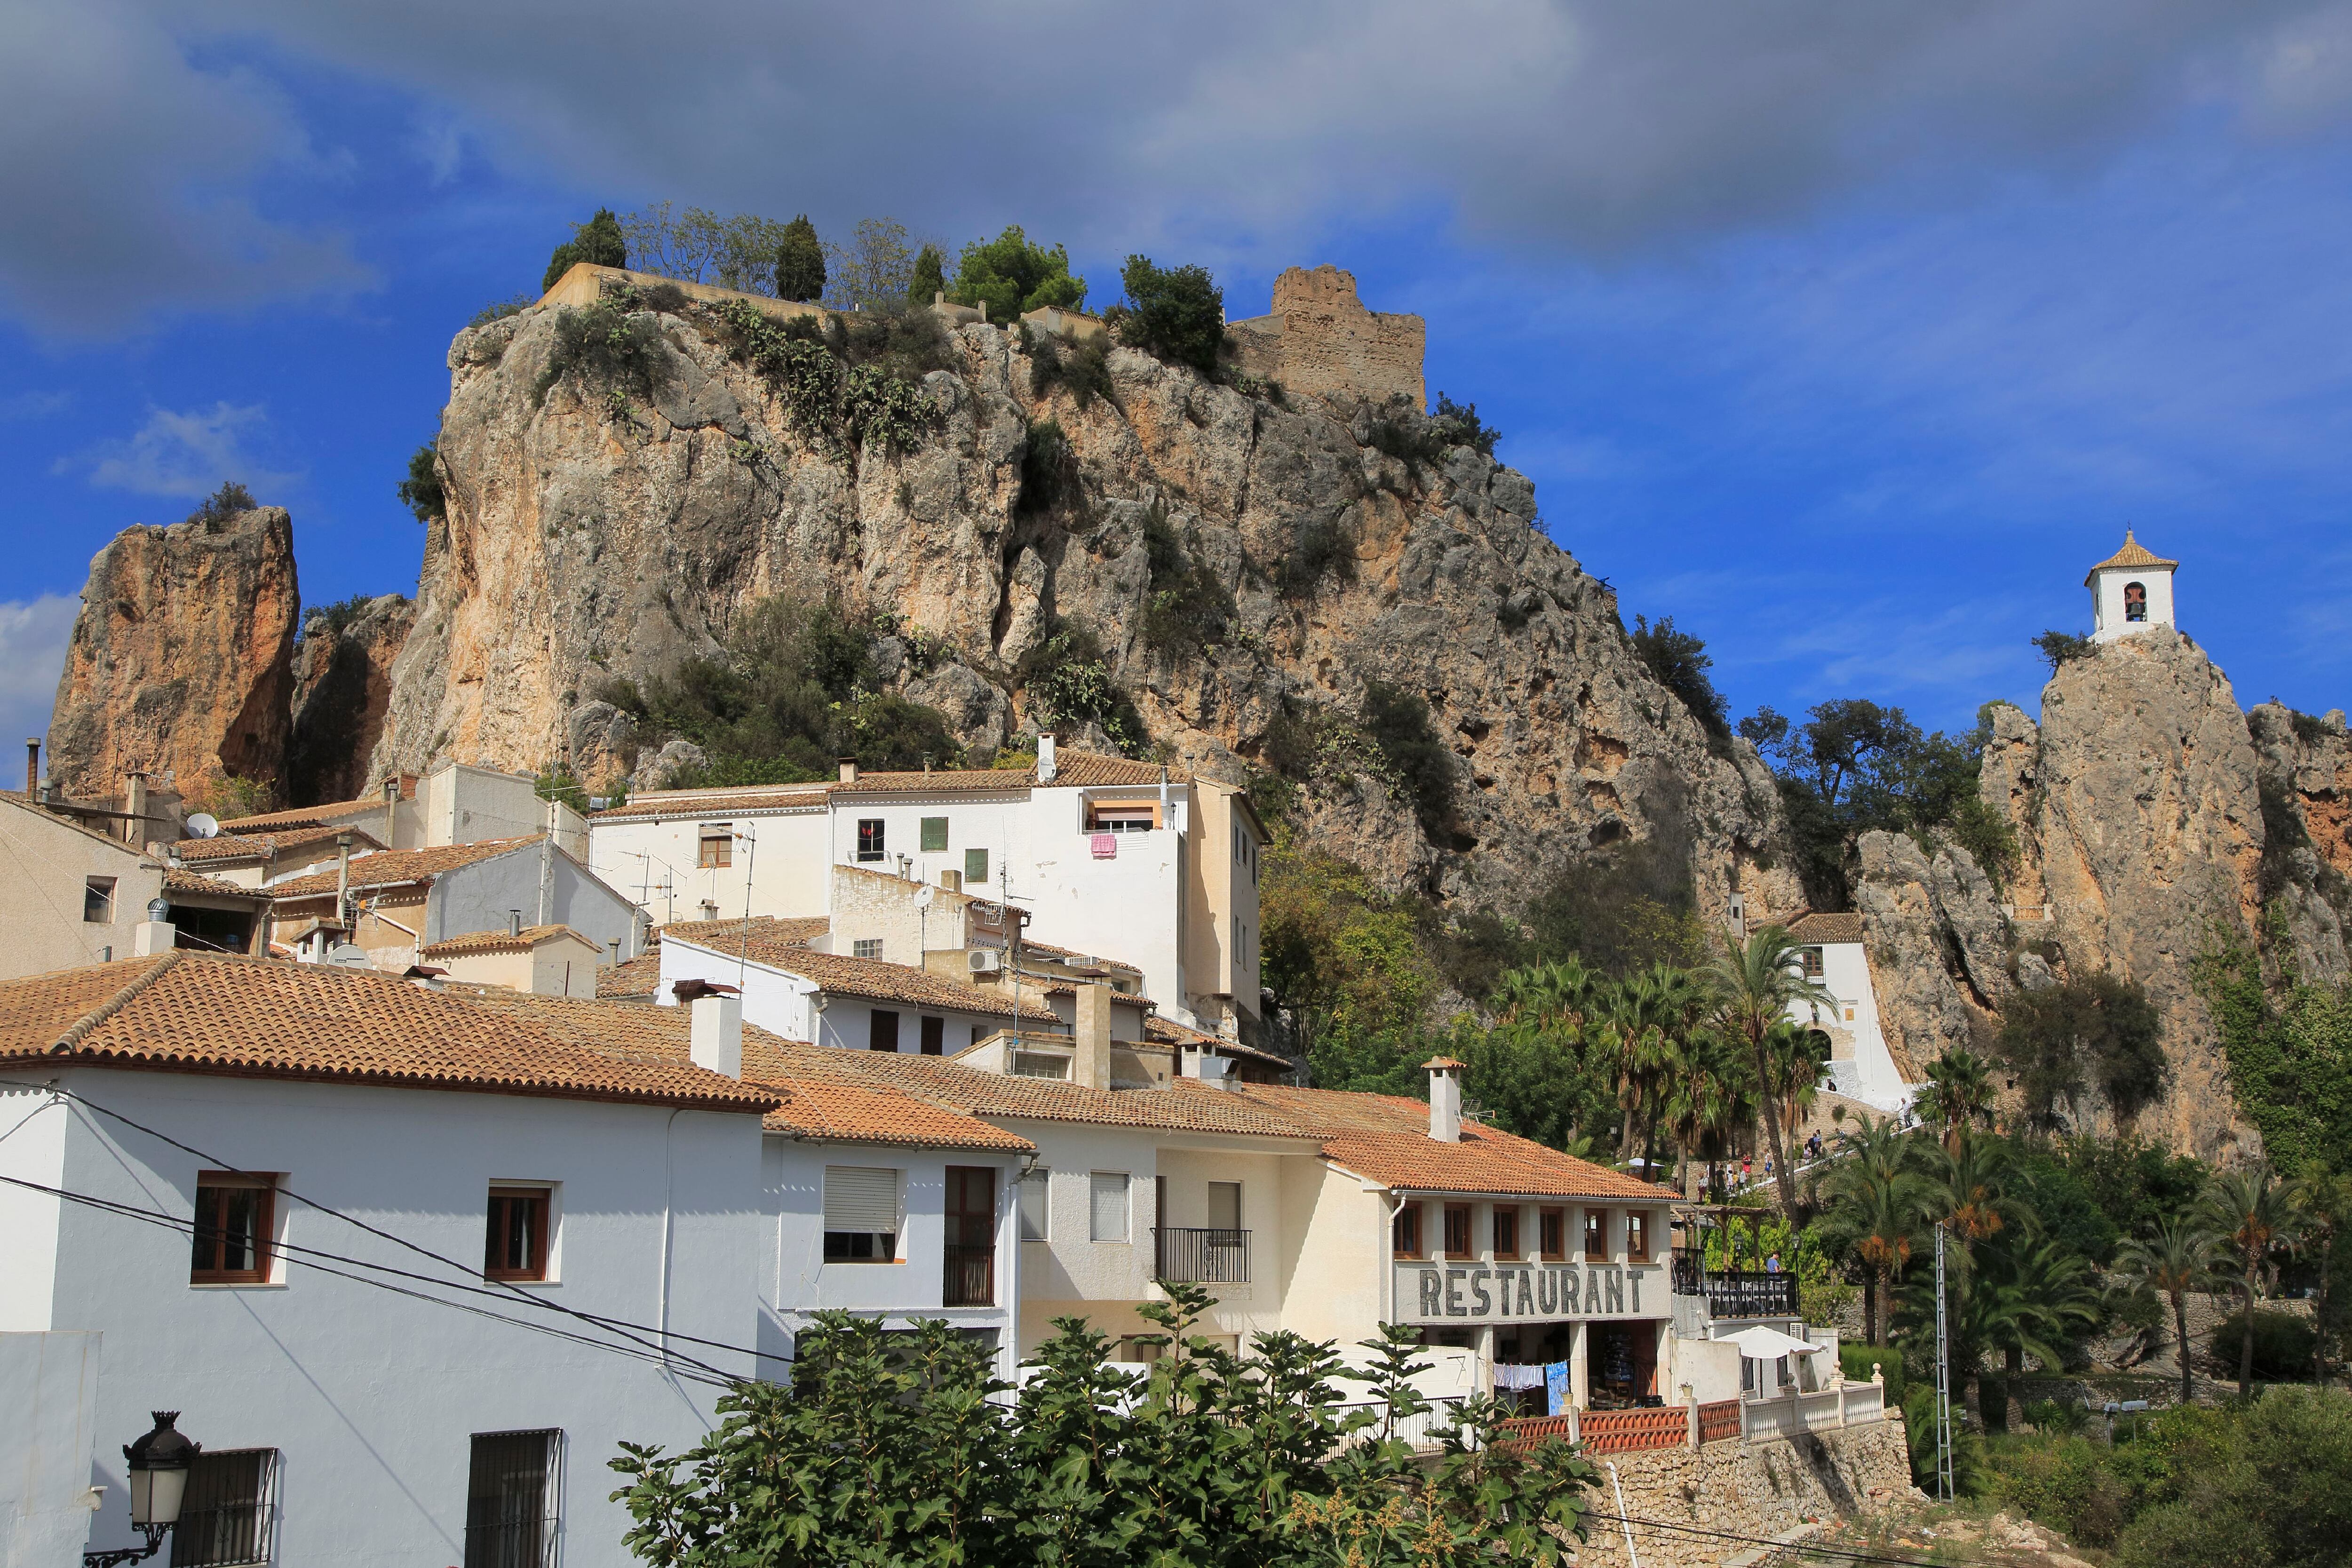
(614, 1326)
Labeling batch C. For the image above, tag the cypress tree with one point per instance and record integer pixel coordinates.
(931, 279)
(599, 241)
(800, 261)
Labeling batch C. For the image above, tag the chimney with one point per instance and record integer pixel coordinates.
(849, 770)
(156, 933)
(514, 923)
(342, 875)
(391, 812)
(716, 1029)
(1045, 768)
(612, 947)
(32, 766)
(1091, 1064)
(134, 804)
(1444, 1099)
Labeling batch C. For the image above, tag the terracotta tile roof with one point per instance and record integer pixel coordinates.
(1385, 1138)
(200, 1013)
(709, 803)
(299, 816)
(177, 879)
(1820, 928)
(830, 1112)
(254, 845)
(791, 930)
(498, 940)
(640, 976)
(871, 979)
(2133, 553)
(390, 867)
(1168, 1032)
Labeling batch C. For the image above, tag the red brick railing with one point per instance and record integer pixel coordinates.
(1719, 1420)
(1628, 1431)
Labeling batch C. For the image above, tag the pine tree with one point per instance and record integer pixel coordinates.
(800, 261)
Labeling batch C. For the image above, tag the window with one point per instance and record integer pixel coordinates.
(517, 1244)
(861, 1215)
(975, 865)
(1406, 1235)
(882, 1030)
(935, 834)
(935, 1036)
(98, 901)
(2135, 601)
(1107, 1205)
(1224, 1205)
(1141, 817)
(1637, 1237)
(1457, 1230)
(1811, 958)
(228, 1509)
(717, 845)
(866, 947)
(235, 1212)
(869, 839)
(1507, 1231)
(1596, 1236)
(513, 1494)
(1036, 1189)
(971, 1252)
(1551, 1227)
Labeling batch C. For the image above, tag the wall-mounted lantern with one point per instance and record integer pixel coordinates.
(159, 1464)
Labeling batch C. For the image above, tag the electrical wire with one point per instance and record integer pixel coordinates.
(694, 1374)
(1841, 1554)
(622, 1327)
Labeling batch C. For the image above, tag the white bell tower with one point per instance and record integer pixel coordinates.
(2130, 592)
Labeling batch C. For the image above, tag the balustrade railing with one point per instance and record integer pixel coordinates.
(970, 1276)
(1202, 1257)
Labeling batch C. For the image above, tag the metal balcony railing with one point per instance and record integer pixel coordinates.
(970, 1276)
(1202, 1257)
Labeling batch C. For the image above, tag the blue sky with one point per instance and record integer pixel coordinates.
(1847, 334)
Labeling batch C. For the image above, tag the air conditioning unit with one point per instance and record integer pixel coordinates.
(985, 960)
(952, 880)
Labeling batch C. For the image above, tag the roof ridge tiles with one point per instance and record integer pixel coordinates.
(84, 1027)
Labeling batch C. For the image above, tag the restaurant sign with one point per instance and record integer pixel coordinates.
(1440, 1292)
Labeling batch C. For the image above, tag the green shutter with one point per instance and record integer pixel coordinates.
(975, 865)
(935, 833)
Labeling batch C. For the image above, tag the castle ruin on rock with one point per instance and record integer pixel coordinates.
(1319, 339)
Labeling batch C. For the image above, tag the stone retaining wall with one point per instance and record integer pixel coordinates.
(1757, 1490)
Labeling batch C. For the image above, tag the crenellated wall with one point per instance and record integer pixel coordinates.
(1319, 339)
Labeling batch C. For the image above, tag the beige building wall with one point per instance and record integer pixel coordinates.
(1335, 1255)
(655, 862)
(558, 967)
(877, 906)
(46, 864)
(1220, 929)
(464, 805)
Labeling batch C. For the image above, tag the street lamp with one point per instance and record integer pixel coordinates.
(158, 1483)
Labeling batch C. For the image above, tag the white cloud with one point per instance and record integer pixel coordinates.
(34, 405)
(183, 454)
(128, 176)
(33, 636)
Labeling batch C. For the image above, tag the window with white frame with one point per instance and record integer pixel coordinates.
(861, 1214)
(872, 842)
(98, 901)
(866, 947)
(1106, 1217)
(1036, 1213)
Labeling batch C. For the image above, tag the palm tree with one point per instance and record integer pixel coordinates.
(2175, 1259)
(2327, 1205)
(1877, 1199)
(1551, 997)
(2042, 1294)
(1710, 1091)
(1969, 1195)
(1755, 981)
(1960, 1093)
(2254, 1215)
(1796, 1060)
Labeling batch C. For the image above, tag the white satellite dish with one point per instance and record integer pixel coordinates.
(348, 955)
(203, 824)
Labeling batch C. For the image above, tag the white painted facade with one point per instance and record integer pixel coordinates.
(799, 1008)
(777, 862)
(370, 1398)
(1861, 1065)
(2130, 592)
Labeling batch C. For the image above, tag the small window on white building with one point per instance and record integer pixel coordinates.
(716, 844)
(861, 1214)
(1123, 817)
(1036, 1189)
(2135, 601)
(1811, 957)
(227, 1511)
(513, 1498)
(1107, 1205)
(867, 947)
(934, 835)
(871, 840)
(98, 901)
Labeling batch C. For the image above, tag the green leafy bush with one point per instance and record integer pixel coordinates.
(901, 1450)
(1011, 274)
(842, 387)
(1176, 314)
(2058, 647)
(1069, 681)
(606, 345)
(928, 278)
(1458, 425)
(2098, 1033)
(2065, 1482)
(1398, 722)
(499, 309)
(2269, 1484)
(2283, 1343)
(1320, 546)
(1401, 431)
(1680, 662)
(559, 783)
(1185, 606)
(1081, 366)
(1049, 469)
(421, 491)
(221, 506)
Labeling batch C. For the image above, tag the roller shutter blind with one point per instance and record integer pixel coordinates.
(861, 1198)
(1107, 1191)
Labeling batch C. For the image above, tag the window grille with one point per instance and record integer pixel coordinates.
(866, 947)
(513, 1500)
(230, 1512)
(1107, 1193)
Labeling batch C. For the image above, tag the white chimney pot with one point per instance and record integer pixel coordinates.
(716, 1034)
(1444, 1099)
(1045, 768)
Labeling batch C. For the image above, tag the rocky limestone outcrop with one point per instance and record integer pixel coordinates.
(2304, 785)
(1938, 947)
(589, 536)
(342, 699)
(181, 660)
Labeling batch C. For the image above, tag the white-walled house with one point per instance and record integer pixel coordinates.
(1106, 855)
(454, 803)
(2130, 591)
(1861, 1065)
(406, 1265)
(81, 897)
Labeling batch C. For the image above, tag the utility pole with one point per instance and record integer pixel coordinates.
(1943, 1378)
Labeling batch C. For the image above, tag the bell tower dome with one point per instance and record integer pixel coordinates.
(2130, 592)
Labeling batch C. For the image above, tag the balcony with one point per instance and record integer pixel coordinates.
(969, 1276)
(1735, 1293)
(1202, 1256)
